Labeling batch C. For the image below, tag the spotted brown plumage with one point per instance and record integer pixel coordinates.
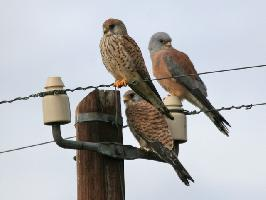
(150, 128)
(185, 84)
(123, 59)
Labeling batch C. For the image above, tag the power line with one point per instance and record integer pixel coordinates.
(56, 92)
(247, 107)
(31, 146)
(195, 112)
(210, 72)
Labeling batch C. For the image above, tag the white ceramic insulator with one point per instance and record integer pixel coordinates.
(178, 126)
(56, 108)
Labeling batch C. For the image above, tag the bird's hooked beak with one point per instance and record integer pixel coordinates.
(105, 29)
(126, 99)
(168, 44)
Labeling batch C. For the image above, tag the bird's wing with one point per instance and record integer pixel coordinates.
(147, 122)
(149, 125)
(180, 66)
(134, 52)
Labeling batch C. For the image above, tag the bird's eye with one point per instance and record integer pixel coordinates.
(132, 95)
(111, 26)
(161, 40)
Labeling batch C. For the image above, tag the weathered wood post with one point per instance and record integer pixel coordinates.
(98, 118)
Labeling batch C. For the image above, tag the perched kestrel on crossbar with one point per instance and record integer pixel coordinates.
(150, 128)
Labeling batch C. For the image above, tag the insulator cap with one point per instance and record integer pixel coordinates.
(178, 126)
(56, 108)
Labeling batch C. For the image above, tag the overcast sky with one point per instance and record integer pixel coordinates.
(39, 39)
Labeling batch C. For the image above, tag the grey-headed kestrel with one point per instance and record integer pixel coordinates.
(185, 84)
(150, 129)
(123, 59)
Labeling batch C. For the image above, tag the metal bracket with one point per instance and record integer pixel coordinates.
(115, 150)
(111, 149)
(102, 117)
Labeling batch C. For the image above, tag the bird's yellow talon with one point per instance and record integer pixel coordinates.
(116, 83)
(123, 83)
(120, 83)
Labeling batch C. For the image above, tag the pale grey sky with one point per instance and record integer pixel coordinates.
(61, 37)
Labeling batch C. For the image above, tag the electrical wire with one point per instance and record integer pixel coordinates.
(57, 92)
(31, 146)
(247, 107)
(195, 112)
(54, 92)
(210, 72)
(186, 112)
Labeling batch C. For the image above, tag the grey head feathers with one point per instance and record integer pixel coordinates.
(158, 41)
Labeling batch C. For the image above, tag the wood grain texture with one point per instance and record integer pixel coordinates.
(99, 177)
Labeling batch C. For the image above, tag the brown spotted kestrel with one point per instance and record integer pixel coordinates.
(150, 128)
(185, 84)
(123, 59)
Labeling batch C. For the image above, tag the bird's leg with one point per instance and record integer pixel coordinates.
(120, 83)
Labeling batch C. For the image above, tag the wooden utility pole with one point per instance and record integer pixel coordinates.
(99, 177)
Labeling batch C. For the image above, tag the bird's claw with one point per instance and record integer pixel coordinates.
(120, 83)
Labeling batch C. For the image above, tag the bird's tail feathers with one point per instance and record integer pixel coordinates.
(170, 157)
(203, 103)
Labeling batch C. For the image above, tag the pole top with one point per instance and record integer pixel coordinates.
(54, 82)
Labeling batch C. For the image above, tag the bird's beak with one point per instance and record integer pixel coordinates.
(168, 44)
(125, 99)
(105, 29)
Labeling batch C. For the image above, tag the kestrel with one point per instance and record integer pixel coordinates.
(123, 59)
(150, 129)
(169, 62)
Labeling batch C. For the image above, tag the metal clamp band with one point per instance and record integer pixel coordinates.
(102, 117)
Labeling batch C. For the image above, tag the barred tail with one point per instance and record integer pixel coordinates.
(170, 157)
(199, 100)
(180, 170)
